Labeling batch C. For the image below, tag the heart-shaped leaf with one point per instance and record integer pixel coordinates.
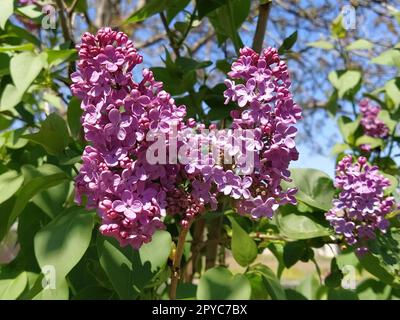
(10, 182)
(220, 284)
(244, 248)
(63, 241)
(24, 68)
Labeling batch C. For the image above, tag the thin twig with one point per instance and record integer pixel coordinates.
(261, 28)
(176, 264)
(64, 24)
(71, 9)
(201, 42)
(214, 235)
(180, 42)
(157, 38)
(169, 34)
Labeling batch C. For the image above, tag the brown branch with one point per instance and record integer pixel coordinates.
(157, 38)
(176, 264)
(201, 42)
(261, 28)
(214, 235)
(67, 33)
(71, 9)
(197, 242)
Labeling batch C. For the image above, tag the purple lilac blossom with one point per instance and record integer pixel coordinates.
(371, 124)
(361, 207)
(265, 105)
(130, 195)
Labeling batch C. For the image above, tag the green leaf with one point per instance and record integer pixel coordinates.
(393, 183)
(293, 252)
(372, 264)
(22, 33)
(125, 269)
(176, 7)
(298, 226)
(214, 98)
(373, 142)
(53, 99)
(14, 140)
(223, 65)
(337, 29)
(93, 293)
(81, 6)
(294, 295)
(393, 91)
(308, 287)
(53, 135)
(344, 81)
(60, 292)
(321, 44)
(30, 221)
(288, 43)
(371, 289)
(7, 9)
(244, 248)
(334, 278)
(30, 11)
(342, 294)
(348, 127)
(11, 289)
(360, 44)
(389, 57)
(340, 148)
(187, 64)
(151, 8)
(24, 68)
(277, 251)
(220, 284)
(384, 115)
(271, 282)
(315, 188)
(10, 98)
(5, 122)
(207, 6)
(56, 57)
(228, 18)
(10, 182)
(4, 64)
(175, 81)
(19, 47)
(74, 113)
(186, 291)
(51, 200)
(63, 242)
(157, 250)
(32, 188)
(258, 290)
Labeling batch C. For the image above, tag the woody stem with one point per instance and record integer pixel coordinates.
(176, 264)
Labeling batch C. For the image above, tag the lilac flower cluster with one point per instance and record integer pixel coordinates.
(372, 125)
(260, 85)
(129, 194)
(362, 206)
